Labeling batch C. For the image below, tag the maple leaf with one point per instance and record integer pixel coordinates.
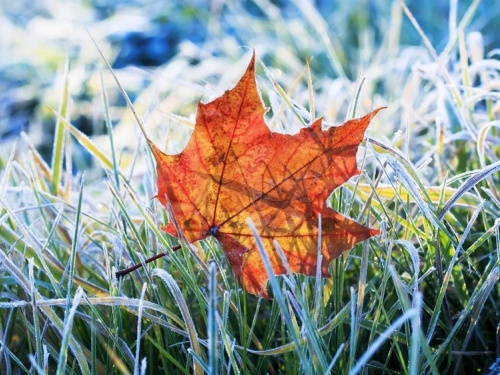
(234, 167)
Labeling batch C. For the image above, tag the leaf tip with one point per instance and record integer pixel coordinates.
(251, 64)
(374, 232)
(377, 110)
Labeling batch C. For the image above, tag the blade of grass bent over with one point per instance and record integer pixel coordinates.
(478, 176)
(85, 142)
(188, 320)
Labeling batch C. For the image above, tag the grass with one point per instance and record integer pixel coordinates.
(423, 298)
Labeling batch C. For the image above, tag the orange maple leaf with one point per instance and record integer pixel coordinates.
(234, 167)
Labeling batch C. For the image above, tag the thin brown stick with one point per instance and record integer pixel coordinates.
(126, 271)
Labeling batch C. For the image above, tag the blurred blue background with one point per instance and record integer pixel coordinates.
(138, 36)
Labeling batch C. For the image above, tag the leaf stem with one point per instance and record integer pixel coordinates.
(128, 270)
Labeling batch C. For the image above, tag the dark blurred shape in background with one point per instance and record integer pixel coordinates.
(158, 44)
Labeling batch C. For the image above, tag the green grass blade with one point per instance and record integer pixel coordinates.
(68, 325)
(58, 149)
(213, 354)
(186, 315)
